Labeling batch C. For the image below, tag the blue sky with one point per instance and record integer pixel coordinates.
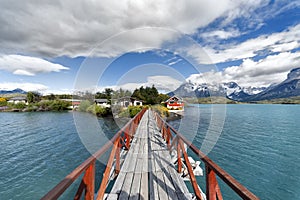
(61, 46)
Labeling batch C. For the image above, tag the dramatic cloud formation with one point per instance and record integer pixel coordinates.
(261, 73)
(56, 28)
(228, 30)
(26, 65)
(262, 45)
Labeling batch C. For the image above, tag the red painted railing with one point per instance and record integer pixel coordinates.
(213, 192)
(121, 139)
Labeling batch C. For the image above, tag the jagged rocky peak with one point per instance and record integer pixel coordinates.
(231, 84)
(294, 74)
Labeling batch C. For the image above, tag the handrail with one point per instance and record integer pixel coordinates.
(212, 188)
(88, 166)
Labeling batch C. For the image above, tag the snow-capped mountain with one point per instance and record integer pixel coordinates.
(234, 91)
(288, 88)
(230, 90)
(253, 90)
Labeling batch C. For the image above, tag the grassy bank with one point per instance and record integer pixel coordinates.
(44, 105)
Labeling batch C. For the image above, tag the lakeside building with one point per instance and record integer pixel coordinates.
(102, 102)
(127, 101)
(74, 103)
(175, 103)
(16, 100)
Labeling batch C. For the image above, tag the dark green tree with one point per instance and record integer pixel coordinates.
(33, 97)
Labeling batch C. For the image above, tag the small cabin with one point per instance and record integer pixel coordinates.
(102, 102)
(175, 103)
(75, 103)
(128, 101)
(16, 100)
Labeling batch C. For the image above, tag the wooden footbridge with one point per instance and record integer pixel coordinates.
(141, 166)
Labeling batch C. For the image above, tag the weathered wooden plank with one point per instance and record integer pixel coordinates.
(117, 187)
(127, 162)
(177, 181)
(162, 190)
(133, 161)
(135, 187)
(185, 196)
(111, 196)
(124, 194)
(170, 188)
(153, 180)
(139, 166)
(145, 161)
(144, 186)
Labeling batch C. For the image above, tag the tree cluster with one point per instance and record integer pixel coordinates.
(149, 95)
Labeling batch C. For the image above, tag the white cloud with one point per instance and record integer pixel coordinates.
(174, 62)
(71, 28)
(28, 66)
(166, 83)
(261, 73)
(24, 86)
(220, 34)
(274, 43)
(162, 83)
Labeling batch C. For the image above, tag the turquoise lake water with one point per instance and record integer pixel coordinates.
(259, 146)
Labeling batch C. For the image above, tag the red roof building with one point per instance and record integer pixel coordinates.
(175, 103)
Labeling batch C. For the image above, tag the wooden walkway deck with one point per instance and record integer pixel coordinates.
(147, 172)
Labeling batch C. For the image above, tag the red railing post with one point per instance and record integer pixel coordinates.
(191, 173)
(179, 164)
(105, 178)
(162, 127)
(89, 179)
(128, 135)
(87, 183)
(117, 170)
(168, 136)
(163, 132)
(213, 191)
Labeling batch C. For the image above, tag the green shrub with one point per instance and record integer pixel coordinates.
(19, 106)
(84, 105)
(31, 108)
(3, 101)
(133, 110)
(97, 110)
(162, 110)
(59, 105)
(124, 113)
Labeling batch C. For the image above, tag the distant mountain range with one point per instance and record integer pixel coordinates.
(288, 88)
(15, 91)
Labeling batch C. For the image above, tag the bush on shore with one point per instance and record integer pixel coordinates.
(45, 105)
(162, 110)
(84, 105)
(97, 110)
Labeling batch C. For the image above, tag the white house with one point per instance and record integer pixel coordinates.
(102, 103)
(16, 100)
(175, 103)
(128, 101)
